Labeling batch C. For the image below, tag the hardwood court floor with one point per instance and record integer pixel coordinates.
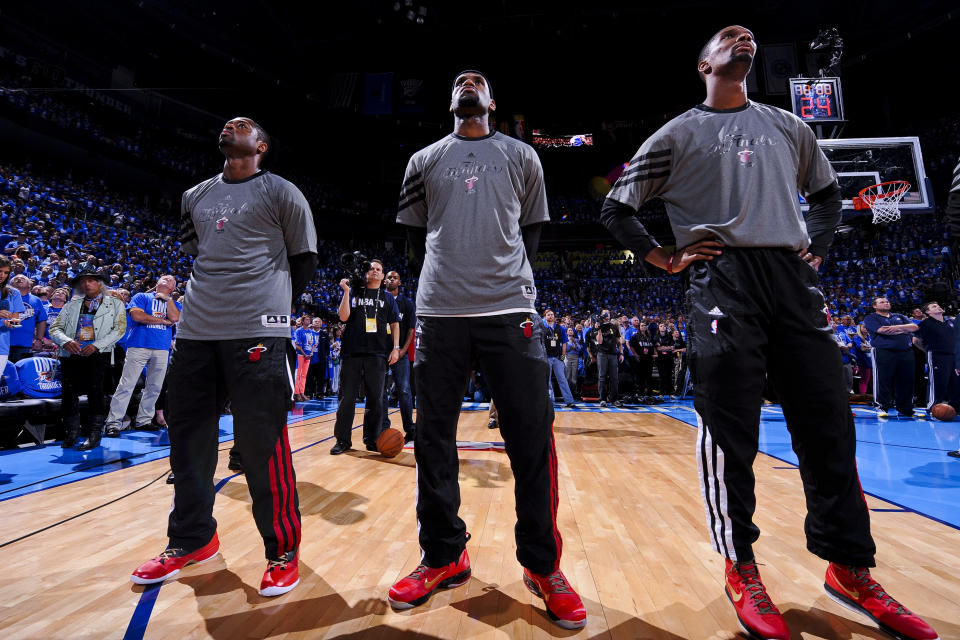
(635, 547)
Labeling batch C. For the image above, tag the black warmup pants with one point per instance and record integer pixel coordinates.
(373, 369)
(609, 376)
(643, 370)
(944, 383)
(84, 374)
(515, 366)
(920, 380)
(201, 376)
(317, 379)
(757, 311)
(665, 371)
(893, 379)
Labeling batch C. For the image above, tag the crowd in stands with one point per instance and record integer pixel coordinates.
(74, 114)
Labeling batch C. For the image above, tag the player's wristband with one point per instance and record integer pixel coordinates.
(397, 348)
(670, 264)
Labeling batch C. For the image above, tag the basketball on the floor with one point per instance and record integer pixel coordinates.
(943, 411)
(390, 443)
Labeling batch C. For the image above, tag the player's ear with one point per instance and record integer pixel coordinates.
(493, 105)
(261, 147)
(704, 67)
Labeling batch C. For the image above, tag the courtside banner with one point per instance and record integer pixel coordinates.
(10, 382)
(40, 377)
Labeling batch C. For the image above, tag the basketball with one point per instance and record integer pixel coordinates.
(390, 443)
(943, 411)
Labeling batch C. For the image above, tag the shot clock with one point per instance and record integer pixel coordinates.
(816, 99)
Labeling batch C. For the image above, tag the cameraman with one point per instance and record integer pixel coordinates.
(371, 341)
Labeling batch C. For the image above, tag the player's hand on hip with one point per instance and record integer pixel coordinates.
(701, 250)
(810, 259)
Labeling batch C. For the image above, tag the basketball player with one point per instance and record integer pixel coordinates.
(475, 201)
(729, 171)
(256, 248)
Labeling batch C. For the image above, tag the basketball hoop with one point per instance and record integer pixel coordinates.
(883, 199)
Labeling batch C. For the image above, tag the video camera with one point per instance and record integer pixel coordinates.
(356, 265)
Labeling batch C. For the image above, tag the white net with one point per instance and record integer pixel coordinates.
(884, 200)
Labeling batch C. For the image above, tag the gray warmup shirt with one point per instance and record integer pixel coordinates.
(242, 234)
(732, 173)
(473, 195)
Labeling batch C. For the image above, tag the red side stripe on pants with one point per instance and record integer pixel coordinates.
(554, 500)
(286, 496)
(292, 483)
(275, 491)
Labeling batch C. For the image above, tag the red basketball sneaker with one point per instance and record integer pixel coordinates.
(853, 588)
(168, 564)
(282, 574)
(563, 603)
(417, 587)
(758, 616)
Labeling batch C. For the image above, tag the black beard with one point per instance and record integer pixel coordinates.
(742, 58)
(468, 100)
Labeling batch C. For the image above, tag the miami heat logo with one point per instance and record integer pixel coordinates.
(255, 352)
(471, 181)
(527, 326)
(745, 157)
(220, 224)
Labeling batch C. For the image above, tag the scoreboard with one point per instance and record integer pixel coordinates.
(816, 99)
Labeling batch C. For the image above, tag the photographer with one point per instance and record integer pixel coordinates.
(371, 341)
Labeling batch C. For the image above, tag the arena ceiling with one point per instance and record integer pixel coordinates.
(566, 66)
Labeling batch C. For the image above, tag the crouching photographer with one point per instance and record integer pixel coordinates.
(371, 341)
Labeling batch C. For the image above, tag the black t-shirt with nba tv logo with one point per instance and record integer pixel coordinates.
(642, 344)
(367, 331)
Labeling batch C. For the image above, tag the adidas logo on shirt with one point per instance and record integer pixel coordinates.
(715, 312)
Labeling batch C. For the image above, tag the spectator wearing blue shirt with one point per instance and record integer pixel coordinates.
(58, 298)
(11, 306)
(13, 245)
(864, 358)
(153, 316)
(317, 374)
(33, 322)
(892, 358)
(305, 344)
(846, 346)
(556, 349)
(571, 361)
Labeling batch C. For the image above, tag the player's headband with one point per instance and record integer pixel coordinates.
(479, 73)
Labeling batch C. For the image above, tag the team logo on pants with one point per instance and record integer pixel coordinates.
(527, 326)
(255, 352)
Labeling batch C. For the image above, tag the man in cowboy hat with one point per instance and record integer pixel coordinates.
(86, 330)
